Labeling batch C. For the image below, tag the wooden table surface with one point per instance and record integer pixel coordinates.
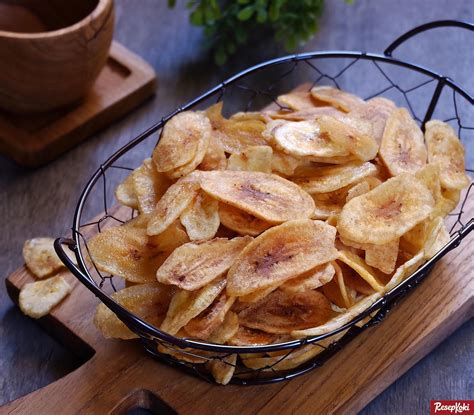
(41, 202)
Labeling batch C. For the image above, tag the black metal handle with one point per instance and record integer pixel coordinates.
(64, 257)
(423, 28)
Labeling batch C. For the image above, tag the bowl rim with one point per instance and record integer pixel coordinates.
(98, 10)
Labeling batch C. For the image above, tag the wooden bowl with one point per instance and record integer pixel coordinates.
(51, 51)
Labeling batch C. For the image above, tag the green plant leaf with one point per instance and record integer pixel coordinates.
(246, 13)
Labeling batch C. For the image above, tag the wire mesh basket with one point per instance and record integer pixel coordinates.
(426, 93)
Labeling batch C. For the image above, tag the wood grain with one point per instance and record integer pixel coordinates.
(33, 140)
(41, 202)
(344, 385)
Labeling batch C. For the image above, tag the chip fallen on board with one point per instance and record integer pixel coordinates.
(195, 264)
(446, 151)
(40, 257)
(402, 148)
(386, 212)
(38, 298)
(280, 253)
(266, 196)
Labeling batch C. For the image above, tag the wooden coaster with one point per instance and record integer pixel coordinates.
(32, 140)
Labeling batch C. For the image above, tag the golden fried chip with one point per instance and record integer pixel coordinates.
(195, 264)
(215, 158)
(147, 301)
(339, 99)
(307, 114)
(127, 250)
(383, 257)
(40, 257)
(255, 296)
(172, 204)
(38, 298)
(303, 138)
(240, 221)
(125, 193)
(405, 270)
(185, 305)
(281, 313)
(201, 218)
(280, 253)
(340, 320)
(297, 100)
(329, 204)
(446, 151)
(309, 280)
(235, 135)
(180, 140)
(253, 158)
(437, 239)
(211, 318)
(226, 330)
(250, 115)
(223, 369)
(386, 212)
(402, 148)
(352, 134)
(359, 266)
(266, 196)
(185, 354)
(376, 111)
(330, 178)
(284, 163)
(357, 190)
(149, 186)
(250, 337)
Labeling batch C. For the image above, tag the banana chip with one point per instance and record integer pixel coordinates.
(297, 100)
(386, 212)
(302, 139)
(446, 151)
(284, 164)
(125, 193)
(253, 158)
(148, 185)
(240, 221)
(376, 111)
(437, 239)
(215, 158)
(38, 298)
(403, 271)
(307, 114)
(201, 218)
(223, 369)
(185, 305)
(40, 257)
(279, 254)
(329, 204)
(350, 133)
(359, 266)
(281, 313)
(357, 190)
(310, 280)
(181, 137)
(147, 301)
(226, 330)
(127, 250)
(195, 264)
(339, 99)
(330, 178)
(172, 204)
(402, 148)
(211, 318)
(250, 337)
(383, 257)
(266, 196)
(255, 296)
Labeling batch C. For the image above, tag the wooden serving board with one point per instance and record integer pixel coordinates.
(32, 140)
(120, 375)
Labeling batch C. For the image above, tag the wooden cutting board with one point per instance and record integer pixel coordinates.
(120, 375)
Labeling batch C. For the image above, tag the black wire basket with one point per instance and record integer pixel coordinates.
(365, 74)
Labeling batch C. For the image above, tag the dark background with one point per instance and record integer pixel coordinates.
(41, 202)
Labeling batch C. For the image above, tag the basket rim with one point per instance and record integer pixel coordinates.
(147, 331)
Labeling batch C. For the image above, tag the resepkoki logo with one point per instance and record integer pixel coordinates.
(443, 407)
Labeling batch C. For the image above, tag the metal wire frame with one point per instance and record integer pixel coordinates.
(151, 336)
